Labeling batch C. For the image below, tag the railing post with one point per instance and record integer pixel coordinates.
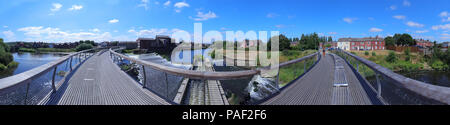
(71, 63)
(357, 67)
(378, 85)
(144, 84)
(53, 79)
(26, 94)
(304, 66)
(167, 86)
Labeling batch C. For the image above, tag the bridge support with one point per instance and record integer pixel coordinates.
(53, 79)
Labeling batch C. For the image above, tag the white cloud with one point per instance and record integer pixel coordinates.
(144, 3)
(280, 26)
(9, 35)
(445, 36)
(349, 20)
(167, 3)
(151, 33)
(393, 7)
(446, 19)
(375, 29)
(5, 26)
(56, 7)
(422, 31)
(113, 21)
(204, 16)
(443, 27)
(414, 24)
(332, 33)
(181, 4)
(444, 14)
(50, 34)
(76, 7)
(400, 17)
(406, 3)
(95, 30)
(271, 15)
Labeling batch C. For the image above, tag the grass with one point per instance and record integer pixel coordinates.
(292, 72)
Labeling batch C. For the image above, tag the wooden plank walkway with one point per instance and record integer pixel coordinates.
(317, 88)
(101, 82)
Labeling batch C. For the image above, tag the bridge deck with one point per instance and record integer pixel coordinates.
(317, 87)
(99, 81)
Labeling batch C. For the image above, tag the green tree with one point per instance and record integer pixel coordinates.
(389, 41)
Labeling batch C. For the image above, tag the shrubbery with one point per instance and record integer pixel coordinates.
(84, 46)
(391, 57)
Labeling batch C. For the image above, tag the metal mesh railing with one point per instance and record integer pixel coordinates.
(31, 87)
(393, 88)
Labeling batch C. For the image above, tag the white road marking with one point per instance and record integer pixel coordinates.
(88, 79)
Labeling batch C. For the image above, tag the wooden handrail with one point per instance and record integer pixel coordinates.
(438, 93)
(207, 74)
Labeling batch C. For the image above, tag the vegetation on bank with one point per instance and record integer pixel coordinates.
(44, 50)
(407, 61)
(6, 59)
(289, 73)
(84, 46)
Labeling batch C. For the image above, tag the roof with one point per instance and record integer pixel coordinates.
(146, 39)
(361, 39)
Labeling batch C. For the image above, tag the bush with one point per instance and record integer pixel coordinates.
(391, 57)
(5, 58)
(13, 64)
(3, 67)
(439, 65)
(374, 54)
(84, 46)
(366, 53)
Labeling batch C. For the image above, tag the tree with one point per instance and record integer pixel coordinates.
(284, 43)
(389, 41)
(330, 39)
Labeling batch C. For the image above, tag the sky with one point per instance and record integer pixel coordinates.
(126, 20)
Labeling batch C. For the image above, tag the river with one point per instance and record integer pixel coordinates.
(29, 61)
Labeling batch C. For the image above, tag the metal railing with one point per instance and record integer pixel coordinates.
(394, 88)
(202, 76)
(33, 85)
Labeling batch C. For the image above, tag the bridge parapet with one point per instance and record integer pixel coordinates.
(394, 88)
(32, 86)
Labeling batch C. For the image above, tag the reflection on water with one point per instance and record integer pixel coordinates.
(38, 87)
(439, 78)
(29, 61)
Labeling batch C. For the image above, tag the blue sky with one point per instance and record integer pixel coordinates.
(105, 20)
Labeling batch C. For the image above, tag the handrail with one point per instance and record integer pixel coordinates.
(207, 74)
(29, 75)
(438, 93)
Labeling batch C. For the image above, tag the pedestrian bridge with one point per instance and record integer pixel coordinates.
(92, 77)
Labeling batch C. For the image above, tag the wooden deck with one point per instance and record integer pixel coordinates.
(317, 87)
(99, 81)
